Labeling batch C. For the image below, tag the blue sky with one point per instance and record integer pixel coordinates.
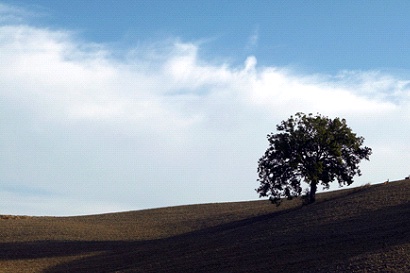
(324, 36)
(122, 105)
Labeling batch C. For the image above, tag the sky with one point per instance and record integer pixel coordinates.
(110, 106)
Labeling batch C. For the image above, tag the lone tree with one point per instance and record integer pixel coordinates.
(313, 149)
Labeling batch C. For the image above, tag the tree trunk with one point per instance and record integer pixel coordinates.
(312, 194)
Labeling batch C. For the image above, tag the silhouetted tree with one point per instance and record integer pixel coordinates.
(313, 149)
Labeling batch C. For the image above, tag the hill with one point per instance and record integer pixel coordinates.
(365, 229)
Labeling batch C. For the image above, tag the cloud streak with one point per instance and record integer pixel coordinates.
(86, 132)
(253, 39)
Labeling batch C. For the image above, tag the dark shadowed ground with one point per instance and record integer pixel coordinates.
(365, 229)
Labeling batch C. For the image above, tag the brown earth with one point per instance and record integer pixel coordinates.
(364, 229)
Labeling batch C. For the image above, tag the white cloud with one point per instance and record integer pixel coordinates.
(167, 128)
(250, 63)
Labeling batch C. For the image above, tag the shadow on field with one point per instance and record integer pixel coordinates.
(288, 241)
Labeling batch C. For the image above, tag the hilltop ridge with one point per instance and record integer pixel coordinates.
(352, 230)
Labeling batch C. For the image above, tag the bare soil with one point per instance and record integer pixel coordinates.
(364, 229)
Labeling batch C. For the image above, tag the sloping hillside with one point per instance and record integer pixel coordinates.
(366, 229)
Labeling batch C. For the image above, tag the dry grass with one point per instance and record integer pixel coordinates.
(366, 229)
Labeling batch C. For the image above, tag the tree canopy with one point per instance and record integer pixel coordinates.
(312, 149)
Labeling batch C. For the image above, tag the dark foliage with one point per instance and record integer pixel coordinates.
(313, 149)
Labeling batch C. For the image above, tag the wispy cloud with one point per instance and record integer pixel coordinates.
(164, 126)
(11, 14)
(253, 39)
